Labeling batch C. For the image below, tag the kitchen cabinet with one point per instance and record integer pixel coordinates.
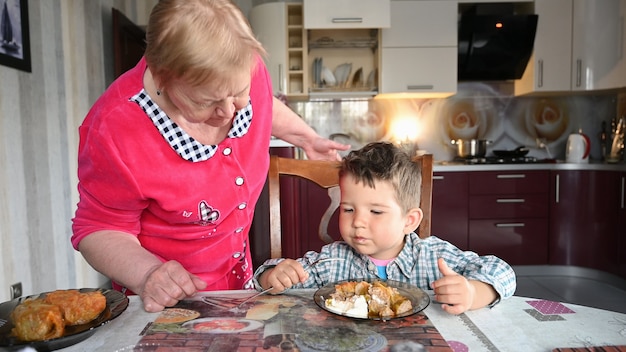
(328, 14)
(279, 27)
(419, 51)
(593, 31)
(621, 227)
(449, 216)
(357, 49)
(584, 209)
(296, 56)
(508, 215)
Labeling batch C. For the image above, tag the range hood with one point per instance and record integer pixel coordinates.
(495, 43)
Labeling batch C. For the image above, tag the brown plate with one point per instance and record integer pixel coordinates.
(418, 297)
(117, 303)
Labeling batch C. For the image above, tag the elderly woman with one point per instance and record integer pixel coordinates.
(173, 157)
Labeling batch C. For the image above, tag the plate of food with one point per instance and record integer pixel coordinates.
(57, 319)
(222, 325)
(372, 299)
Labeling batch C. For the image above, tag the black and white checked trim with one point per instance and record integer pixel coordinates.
(187, 147)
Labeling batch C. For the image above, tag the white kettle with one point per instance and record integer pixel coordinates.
(577, 150)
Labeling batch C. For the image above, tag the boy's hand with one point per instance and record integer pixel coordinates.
(284, 275)
(453, 290)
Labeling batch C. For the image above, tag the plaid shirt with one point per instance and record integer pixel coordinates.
(416, 264)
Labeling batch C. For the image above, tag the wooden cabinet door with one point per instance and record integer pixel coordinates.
(419, 70)
(519, 241)
(422, 24)
(583, 219)
(549, 68)
(449, 209)
(419, 54)
(598, 44)
(326, 14)
(593, 31)
(269, 23)
(508, 215)
(621, 227)
(129, 43)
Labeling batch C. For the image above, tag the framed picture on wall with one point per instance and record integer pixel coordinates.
(14, 35)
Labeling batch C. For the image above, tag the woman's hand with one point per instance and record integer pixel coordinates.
(167, 284)
(325, 149)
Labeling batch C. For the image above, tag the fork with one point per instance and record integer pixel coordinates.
(254, 296)
(314, 263)
(240, 304)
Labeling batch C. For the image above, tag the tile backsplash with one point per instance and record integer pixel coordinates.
(479, 110)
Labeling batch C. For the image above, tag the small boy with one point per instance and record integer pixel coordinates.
(378, 214)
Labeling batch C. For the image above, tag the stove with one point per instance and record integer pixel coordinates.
(498, 160)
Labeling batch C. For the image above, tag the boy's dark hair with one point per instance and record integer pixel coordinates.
(384, 161)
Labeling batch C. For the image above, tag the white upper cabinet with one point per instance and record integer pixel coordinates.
(599, 44)
(326, 14)
(422, 23)
(580, 45)
(419, 51)
(278, 25)
(269, 23)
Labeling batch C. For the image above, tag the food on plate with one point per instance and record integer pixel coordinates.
(36, 320)
(363, 299)
(176, 315)
(77, 307)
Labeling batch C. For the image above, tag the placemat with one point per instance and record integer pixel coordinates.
(269, 323)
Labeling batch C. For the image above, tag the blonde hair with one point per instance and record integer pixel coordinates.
(197, 41)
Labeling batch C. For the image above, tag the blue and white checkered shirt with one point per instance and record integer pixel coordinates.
(416, 264)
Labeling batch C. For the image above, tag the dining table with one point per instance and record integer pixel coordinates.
(293, 321)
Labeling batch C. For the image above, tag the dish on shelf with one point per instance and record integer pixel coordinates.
(328, 79)
(357, 79)
(372, 80)
(342, 73)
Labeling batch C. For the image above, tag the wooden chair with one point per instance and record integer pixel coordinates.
(325, 174)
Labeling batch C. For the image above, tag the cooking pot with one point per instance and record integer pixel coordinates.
(471, 148)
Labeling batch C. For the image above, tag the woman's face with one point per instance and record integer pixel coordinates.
(211, 104)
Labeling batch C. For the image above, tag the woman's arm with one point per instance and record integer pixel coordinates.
(120, 257)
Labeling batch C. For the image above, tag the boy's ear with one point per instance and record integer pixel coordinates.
(413, 219)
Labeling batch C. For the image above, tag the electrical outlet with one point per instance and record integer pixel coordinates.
(16, 290)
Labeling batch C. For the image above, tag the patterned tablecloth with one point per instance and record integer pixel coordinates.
(516, 324)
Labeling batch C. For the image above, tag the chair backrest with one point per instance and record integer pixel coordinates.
(325, 174)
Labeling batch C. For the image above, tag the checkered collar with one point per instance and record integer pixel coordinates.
(187, 147)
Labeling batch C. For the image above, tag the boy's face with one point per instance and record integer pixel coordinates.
(371, 220)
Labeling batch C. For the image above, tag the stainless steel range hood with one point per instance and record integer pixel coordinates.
(495, 43)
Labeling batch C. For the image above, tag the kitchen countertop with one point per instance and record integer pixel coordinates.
(450, 166)
(275, 143)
